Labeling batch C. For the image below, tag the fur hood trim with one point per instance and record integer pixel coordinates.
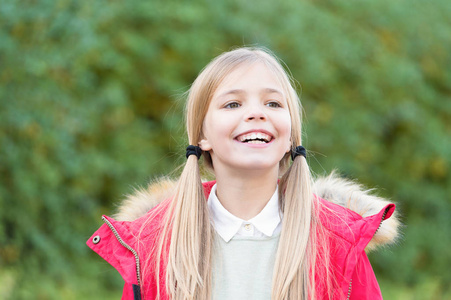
(355, 197)
(332, 188)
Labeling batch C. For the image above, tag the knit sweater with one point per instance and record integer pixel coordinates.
(243, 267)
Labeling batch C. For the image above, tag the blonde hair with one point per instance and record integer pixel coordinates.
(187, 231)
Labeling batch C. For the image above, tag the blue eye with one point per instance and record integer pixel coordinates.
(232, 105)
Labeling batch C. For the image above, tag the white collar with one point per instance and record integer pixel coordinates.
(227, 225)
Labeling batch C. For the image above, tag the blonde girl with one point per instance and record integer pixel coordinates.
(262, 229)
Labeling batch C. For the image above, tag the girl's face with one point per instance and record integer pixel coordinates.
(247, 126)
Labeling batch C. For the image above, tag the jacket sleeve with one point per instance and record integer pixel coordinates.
(364, 284)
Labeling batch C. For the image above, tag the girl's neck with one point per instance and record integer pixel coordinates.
(245, 195)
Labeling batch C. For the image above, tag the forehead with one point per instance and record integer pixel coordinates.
(248, 77)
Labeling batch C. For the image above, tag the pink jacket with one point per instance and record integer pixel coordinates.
(351, 233)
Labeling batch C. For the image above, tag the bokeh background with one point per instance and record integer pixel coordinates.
(91, 107)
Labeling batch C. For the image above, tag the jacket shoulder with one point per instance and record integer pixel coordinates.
(144, 200)
(349, 204)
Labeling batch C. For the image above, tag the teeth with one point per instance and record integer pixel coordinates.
(253, 136)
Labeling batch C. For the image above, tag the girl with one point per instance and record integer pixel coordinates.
(262, 230)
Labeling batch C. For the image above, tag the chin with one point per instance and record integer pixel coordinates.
(259, 165)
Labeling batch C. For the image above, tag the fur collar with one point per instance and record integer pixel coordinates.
(331, 188)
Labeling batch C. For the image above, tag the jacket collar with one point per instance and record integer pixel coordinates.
(332, 188)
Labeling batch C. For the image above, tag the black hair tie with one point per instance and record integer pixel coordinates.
(193, 150)
(299, 150)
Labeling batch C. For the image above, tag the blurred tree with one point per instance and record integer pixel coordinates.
(89, 109)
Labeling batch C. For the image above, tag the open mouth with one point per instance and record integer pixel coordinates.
(255, 138)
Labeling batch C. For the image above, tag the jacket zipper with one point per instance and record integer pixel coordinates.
(121, 241)
(382, 219)
(349, 289)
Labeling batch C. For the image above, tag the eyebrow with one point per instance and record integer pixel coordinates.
(232, 92)
(271, 90)
(239, 91)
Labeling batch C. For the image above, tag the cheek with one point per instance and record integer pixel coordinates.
(222, 123)
(285, 130)
(285, 124)
(217, 129)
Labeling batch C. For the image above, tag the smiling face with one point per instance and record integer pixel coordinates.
(248, 124)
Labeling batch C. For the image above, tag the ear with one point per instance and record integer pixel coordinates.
(205, 145)
(289, 146)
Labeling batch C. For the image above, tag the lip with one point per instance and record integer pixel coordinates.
(263, 145)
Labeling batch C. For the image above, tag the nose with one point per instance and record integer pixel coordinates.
(255, 113)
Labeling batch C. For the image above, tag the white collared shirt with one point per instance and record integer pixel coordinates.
(266, 223)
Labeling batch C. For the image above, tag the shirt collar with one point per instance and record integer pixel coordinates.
(227, 225)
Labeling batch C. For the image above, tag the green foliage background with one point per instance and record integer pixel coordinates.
(90, 108)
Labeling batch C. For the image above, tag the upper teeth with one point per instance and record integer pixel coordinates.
(254, 136)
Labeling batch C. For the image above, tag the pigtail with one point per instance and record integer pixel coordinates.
(291, 270)
(186, 236)
(188, 267)
(303, 253)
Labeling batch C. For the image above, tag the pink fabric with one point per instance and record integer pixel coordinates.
(349, 235)
(364, 283)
